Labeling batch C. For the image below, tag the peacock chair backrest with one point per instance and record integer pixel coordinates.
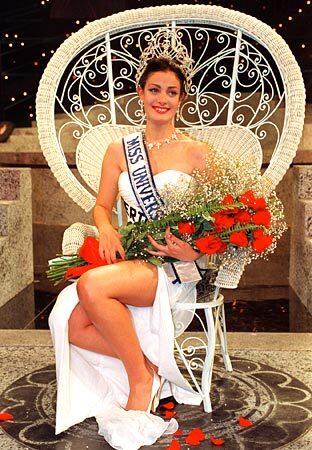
(247, 97)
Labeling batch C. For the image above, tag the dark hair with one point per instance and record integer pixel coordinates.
(162, 65)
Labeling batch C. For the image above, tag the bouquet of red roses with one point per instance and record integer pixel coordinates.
(212, 228)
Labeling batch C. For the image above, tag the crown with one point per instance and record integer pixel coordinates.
(167, 43)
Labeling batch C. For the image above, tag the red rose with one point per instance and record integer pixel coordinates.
(229, 211)
(210, 244)
(259, 204)
(228, 199)
(258, 234)
(186, 228)
(261, 217)
(243, 216)
(222, 248)
(253, 202)
(261, 241)
(247, 198)
(239, 238)
(222, 221)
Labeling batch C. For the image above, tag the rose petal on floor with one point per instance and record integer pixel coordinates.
(178, 432)
(6, 416)
(244, 422)
(169, 414)
(216, 441)
(175, 445)
(195, 437)
(169, 405)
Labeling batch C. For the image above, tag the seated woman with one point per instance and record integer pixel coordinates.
(117, 318)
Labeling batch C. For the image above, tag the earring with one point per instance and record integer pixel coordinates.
(142, 112)
(178, 114)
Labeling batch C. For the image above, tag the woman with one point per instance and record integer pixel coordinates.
(119, 316)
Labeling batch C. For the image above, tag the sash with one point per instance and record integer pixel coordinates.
(140, 175)
(134, 214)
(149, 200)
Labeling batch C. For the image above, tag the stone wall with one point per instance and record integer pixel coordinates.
(16, 244)
(301, 239)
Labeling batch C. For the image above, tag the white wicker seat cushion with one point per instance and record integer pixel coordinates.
(234, 141)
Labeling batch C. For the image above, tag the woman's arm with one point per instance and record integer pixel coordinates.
(102, 212)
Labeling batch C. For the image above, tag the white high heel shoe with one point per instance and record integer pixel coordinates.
(155, 394)
(157, 385)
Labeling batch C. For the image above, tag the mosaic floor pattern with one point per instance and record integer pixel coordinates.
(278, 403)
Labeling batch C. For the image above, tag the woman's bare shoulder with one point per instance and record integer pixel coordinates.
(114, 152)
(115, 147)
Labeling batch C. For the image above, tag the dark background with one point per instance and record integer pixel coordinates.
(31, 30)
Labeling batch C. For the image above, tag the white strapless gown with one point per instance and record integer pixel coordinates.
(94, 385)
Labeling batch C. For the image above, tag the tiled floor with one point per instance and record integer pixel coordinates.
(271, 385)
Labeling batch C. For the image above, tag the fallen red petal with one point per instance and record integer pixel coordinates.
(191, 441)
(178, 432)
(216, 441)
(175, 445)
(195, 437)
(169, 405)
(6, 416)
(169, 414)
(244, 422)
(197, 433)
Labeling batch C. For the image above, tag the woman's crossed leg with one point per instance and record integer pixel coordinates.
(106, 322)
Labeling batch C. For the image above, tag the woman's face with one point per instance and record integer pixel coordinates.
(161, 96)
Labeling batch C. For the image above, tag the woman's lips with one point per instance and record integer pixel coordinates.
(160, 109)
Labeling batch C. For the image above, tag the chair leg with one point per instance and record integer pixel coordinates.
(208, 364)
(187, 365)
(221, 328)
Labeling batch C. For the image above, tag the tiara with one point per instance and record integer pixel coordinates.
(167, 44)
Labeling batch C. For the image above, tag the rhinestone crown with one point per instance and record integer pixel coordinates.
(167, 43)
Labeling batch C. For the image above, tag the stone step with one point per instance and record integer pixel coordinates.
(24, 141)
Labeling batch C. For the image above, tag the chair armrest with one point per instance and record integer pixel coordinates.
(230, 272)
(75, 235)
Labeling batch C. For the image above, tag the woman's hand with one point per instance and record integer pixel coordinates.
(175, 248)
(109, 244)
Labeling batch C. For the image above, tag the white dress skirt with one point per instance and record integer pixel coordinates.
(94, 385)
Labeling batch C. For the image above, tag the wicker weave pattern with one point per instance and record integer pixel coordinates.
(75, 235)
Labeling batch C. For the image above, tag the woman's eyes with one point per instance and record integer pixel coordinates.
(171, 93)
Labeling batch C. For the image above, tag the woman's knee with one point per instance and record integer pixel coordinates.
(86, 287)
(90, 286)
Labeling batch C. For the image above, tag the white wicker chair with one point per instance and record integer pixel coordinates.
(248, 97)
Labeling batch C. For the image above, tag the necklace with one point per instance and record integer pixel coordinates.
(158, 144)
